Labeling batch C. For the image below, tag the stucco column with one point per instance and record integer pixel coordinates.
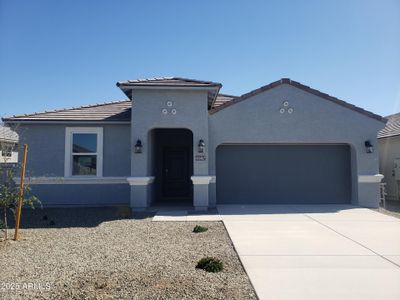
(212, 192)
(140, 192)
(200, 192)
(369, 190)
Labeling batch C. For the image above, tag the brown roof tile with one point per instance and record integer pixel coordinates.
(222, 99)
(172, 82)
(116, 111)
(392, 127)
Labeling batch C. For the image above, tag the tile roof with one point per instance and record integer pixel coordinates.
(120, 111)
(304, 88)
(222, 99)
(169, 82)
(8, 135)
(392, 127)
(116, 111)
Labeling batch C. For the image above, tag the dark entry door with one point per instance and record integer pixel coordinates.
(176, 172)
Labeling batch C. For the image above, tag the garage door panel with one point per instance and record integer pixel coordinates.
(283, 174)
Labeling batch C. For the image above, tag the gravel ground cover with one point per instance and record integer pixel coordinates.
(96, 254)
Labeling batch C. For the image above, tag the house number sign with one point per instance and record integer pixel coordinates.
(200, 157)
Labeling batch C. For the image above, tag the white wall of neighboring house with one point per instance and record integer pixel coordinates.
(6, 158)
(8, 145)
(389, 165)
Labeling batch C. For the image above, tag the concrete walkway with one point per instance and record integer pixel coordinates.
(183, 214)
(316, 251)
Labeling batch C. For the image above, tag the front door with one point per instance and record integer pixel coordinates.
(176, 173)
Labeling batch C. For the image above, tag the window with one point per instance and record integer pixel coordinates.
(83, 151)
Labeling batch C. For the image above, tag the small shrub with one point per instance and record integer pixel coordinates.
(199, 228)
(210, 264)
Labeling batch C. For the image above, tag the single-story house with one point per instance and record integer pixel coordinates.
(8, 145)
(178, 141)
(389, 156)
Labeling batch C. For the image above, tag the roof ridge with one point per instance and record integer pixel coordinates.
(65, 109)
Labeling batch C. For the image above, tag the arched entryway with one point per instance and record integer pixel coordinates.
(172, 166)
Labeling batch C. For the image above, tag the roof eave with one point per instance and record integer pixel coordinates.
(168, 86)
(48, 121)
(388, 136)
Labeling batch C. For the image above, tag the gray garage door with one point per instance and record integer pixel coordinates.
(283, 174)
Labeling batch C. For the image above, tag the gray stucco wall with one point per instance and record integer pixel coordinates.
(46, 150)
(314, 120)
(82, 194)
(191, 113)
(256, 120)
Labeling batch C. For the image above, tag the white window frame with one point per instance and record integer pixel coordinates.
(69, 131)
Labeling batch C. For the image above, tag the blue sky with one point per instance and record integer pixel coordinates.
(56, 54)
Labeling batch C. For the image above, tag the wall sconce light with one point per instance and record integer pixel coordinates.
(201, 146)
(138, 146)
(368, 147)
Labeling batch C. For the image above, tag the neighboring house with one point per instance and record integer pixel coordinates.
(182, 142)
(389, 156)
(8, 145)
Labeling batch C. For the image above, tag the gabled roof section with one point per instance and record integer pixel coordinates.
(116, 111)
(8, 135)
(172, 82)
(304, 88)
(392, 127)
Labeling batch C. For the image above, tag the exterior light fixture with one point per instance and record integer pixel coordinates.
(201, 146)
(368, 147)
(138, 146)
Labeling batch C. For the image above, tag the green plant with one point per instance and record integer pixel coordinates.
(9, 196)
(198, 229)
(210, 264)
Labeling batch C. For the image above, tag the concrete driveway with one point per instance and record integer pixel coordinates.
(316, 251)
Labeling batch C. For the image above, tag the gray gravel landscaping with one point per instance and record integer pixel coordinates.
(94, 254)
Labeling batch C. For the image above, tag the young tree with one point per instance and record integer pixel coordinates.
(9, 191)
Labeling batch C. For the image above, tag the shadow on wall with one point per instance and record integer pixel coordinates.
(74, 216)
